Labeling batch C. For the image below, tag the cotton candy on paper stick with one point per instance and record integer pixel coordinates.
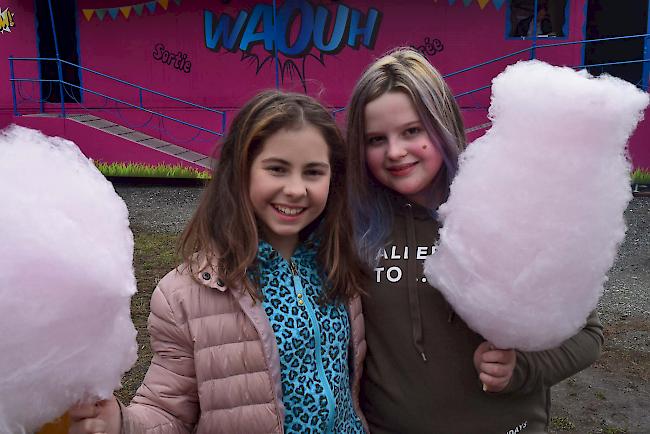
(66, 279)
(535, 213)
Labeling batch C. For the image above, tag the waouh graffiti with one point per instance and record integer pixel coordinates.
(6, 20)
(311, 39)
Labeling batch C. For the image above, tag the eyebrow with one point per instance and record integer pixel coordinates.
(286, 163)
(406, 125)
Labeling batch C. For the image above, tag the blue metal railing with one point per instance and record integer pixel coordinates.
(556, 44)
(140, 89)
(532, 49)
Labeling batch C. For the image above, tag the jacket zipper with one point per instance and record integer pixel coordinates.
(302, 301)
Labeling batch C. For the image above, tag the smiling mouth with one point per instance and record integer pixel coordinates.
(288, 211)
(401, 168)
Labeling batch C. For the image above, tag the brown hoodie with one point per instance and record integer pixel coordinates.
(419, 375)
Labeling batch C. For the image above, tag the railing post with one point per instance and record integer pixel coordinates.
(140, 91)
(646, 54)
(223, 123)
(58, 59)
(13, 85)
(532, 48)
(275, 46)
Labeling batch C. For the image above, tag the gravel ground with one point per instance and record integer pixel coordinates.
(613, 396)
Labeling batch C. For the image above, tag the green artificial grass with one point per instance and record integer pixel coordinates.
(139, 170)
(641, 176)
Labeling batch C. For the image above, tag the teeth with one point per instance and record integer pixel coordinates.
(289, 211)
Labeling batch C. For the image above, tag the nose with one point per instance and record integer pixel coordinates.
(395, 149)
(295, 187)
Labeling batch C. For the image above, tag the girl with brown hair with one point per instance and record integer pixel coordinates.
(260, 330)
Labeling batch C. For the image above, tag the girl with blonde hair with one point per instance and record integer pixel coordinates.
(426, 371)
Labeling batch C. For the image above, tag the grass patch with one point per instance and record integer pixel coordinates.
(153, 257)
(614, 430)
(562, 424)
(640, 176)
(138, 170)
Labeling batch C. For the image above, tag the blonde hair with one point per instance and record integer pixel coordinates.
(401, 70)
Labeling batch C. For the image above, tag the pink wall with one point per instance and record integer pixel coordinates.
(639, 144)
(127, 48)
(20, 41)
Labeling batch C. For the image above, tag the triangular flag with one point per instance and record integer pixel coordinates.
(498, 3)
(88, 13)
(163, 3)
(100, 13)
(113, 12)
(482, 3)
(138, 8)
(467, 2)
(126, 11)
(151, 6)
(451, 2)
(178, 2)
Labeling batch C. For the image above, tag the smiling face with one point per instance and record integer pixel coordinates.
(289, 184)
(399, 153)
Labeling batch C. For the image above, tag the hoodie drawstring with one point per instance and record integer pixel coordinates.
(414, 299)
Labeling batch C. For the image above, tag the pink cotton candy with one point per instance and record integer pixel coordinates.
(66, 278)
(535, 214)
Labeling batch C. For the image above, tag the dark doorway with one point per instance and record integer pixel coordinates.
(65, 24)
(608, 18)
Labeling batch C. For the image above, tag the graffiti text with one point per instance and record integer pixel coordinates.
(6, 20)
(178, 60)
(430, 46)
(351, 28)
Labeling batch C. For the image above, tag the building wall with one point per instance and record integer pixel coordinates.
(17, 40)
(132, 48)
(167, 46)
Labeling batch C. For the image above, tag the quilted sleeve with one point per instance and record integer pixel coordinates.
(167, 400)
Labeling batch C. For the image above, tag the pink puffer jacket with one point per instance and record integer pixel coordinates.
(216, 367)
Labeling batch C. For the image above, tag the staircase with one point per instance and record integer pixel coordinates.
(138, 137)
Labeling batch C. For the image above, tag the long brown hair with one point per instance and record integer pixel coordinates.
(224, 226)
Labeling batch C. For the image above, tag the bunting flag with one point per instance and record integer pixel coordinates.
(481, 3)
(125, 11)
